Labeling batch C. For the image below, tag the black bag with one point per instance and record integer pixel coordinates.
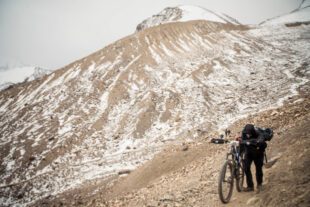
(218, 141)
(267, 133)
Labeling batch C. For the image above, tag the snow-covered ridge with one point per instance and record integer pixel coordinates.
(301, 14)
(304, 4)
(185, 13)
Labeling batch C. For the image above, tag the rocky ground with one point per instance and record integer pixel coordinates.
(186, 174)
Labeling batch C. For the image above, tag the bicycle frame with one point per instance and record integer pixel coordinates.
(234, 153)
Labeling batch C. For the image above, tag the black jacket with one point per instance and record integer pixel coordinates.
(256, 133)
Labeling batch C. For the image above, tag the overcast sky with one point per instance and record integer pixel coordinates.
(54, 33)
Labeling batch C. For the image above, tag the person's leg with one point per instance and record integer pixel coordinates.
(247, 169)
(259, 161)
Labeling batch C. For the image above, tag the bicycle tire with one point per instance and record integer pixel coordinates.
(240, 177)
(226, 176)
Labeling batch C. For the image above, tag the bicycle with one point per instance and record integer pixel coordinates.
(232, 169)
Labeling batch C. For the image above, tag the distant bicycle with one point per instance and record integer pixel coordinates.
(233, 169)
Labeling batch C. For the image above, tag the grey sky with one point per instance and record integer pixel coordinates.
(53, 33)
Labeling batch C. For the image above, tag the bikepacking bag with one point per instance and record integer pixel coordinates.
(267, 133)
(218, 141)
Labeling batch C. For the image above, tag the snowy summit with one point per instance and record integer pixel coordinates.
(185, 13)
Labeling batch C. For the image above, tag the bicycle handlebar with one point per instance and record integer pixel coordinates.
(245, 142)
(249, 142)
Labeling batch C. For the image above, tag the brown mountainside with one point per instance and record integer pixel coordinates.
(113, 110)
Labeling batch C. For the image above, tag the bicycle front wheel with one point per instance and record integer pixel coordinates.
(226, 182)
(240, 177)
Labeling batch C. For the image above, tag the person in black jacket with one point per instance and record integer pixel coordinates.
(253, 152)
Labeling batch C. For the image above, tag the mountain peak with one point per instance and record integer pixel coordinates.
(184, 13)
(13, 72)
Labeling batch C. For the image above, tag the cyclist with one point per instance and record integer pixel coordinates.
(253, 152)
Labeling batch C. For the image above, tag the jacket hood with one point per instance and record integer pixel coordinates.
(250, 129)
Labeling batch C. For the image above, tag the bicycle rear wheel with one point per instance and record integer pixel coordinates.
(240, 177)
(226, 182)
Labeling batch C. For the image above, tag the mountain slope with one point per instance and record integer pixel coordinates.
(301, 14)
(196, 169)
(113, 110)
(304, 4)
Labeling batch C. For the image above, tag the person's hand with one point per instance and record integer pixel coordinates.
(238, 138)
(260, 141)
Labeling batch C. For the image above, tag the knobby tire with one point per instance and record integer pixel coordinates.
(226, 176)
